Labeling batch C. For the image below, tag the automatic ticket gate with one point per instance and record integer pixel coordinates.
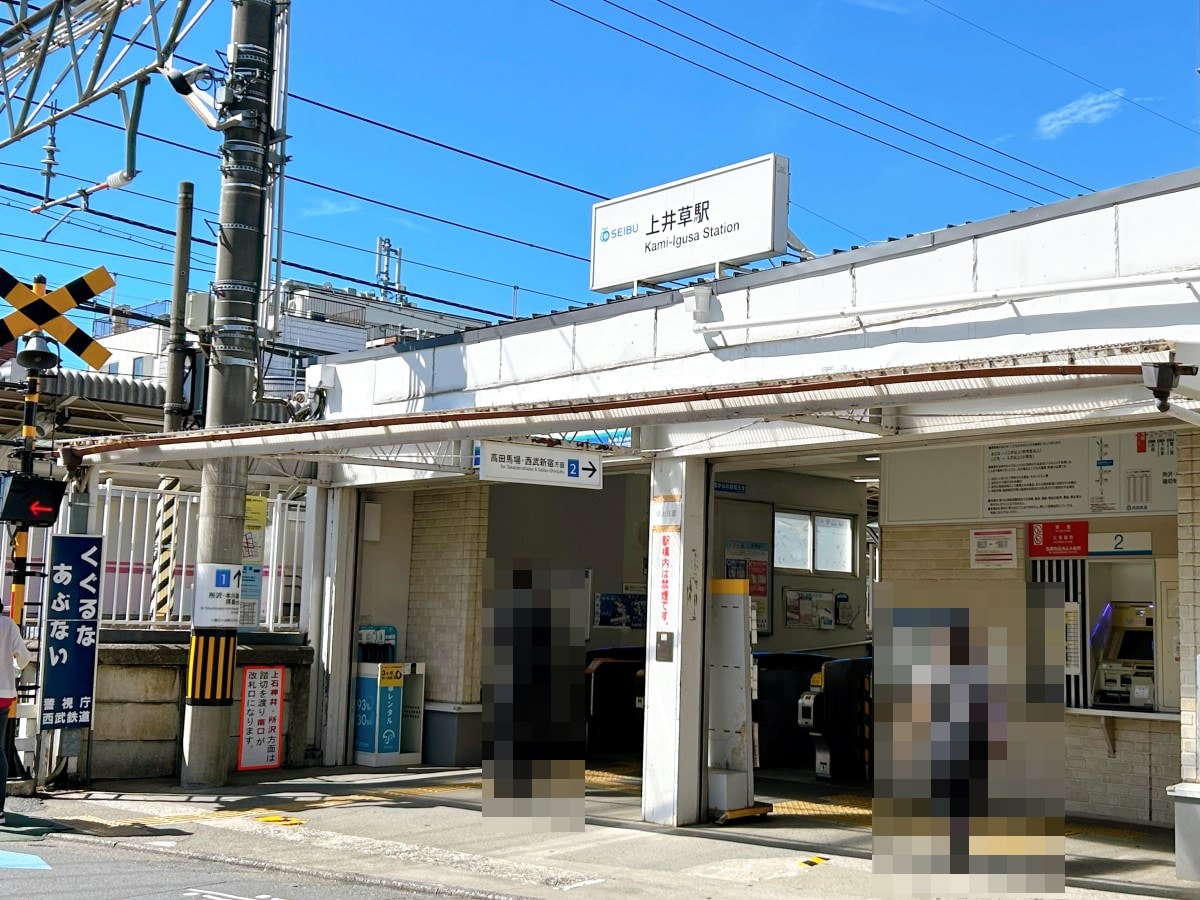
(836, 713)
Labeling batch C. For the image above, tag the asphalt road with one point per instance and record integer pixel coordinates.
(57, 868)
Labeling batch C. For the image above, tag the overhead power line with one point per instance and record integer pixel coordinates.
(73, 265)
(159, 229)
(312, 237)
(97, 308)
(844, 106)
(22, 237)
(830, 221)
(110, 232)
(425, 265)
(795, 106)
(363, 198)
(295, 179)
(900, 109)
(444, 146)
(1060, 67)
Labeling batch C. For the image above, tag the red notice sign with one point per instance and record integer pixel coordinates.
(1057, 540)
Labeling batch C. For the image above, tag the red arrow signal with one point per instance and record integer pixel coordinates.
(38, 510)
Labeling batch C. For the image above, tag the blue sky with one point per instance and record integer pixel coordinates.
(532, 84)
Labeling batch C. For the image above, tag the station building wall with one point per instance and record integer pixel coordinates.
(569, 528)
(1129, 785)
(749, 516)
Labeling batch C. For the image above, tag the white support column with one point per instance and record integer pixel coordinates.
(312, 618)
(337, 631)
(730, 747)
(672, 760)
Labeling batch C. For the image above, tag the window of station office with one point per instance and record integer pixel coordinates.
(814, 542)
(1126, 657)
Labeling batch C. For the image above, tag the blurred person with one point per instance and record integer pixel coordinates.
(12, 647)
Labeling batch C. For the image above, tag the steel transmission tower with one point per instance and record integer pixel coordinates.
(63, 56)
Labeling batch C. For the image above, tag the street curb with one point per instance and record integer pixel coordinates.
(415, 887)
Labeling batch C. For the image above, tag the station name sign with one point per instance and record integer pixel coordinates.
(732, 216)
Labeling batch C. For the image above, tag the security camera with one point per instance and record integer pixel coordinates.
(190, 86)
(184, 83)
(1160, 379)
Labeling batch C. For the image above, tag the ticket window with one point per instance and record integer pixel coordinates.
(1128, 639)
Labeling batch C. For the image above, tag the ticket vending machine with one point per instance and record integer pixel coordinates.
(1124, 640)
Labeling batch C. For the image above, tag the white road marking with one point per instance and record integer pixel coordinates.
(571, 887)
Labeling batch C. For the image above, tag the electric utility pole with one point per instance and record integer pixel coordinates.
(244, 106)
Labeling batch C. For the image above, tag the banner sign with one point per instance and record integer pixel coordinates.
(71, 631)
(262, 718)
(1057, 540)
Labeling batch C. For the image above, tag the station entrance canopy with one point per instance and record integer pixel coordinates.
(832, 404)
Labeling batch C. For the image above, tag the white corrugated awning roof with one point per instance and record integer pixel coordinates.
(1066, 370)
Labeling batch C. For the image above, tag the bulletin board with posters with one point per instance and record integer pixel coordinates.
(261, 742)
(750, 560)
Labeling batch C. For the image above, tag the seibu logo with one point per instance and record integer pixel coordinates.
(606, 233)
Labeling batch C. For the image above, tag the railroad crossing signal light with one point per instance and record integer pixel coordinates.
(49, 313)
(30, 499)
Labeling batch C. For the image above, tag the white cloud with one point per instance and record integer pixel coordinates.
(1090, 109)
(325, 208)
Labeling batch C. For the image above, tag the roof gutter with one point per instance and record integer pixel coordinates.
(740, 401)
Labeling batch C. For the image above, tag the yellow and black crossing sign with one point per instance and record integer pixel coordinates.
(49, 313)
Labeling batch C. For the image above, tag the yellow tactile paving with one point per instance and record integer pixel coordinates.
(851, 810)
(133, 819)
(1080, 829)
(844, 809)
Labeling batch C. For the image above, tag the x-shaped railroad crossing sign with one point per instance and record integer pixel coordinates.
(49, 313)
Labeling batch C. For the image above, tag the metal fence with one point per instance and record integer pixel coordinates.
(150, 570)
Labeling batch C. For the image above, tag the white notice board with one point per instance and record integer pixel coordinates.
(218, 595)
(1102, 474)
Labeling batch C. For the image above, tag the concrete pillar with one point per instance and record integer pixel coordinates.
(672, 762)
(336, 649)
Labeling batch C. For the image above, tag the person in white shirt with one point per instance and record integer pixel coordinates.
(12, 647)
